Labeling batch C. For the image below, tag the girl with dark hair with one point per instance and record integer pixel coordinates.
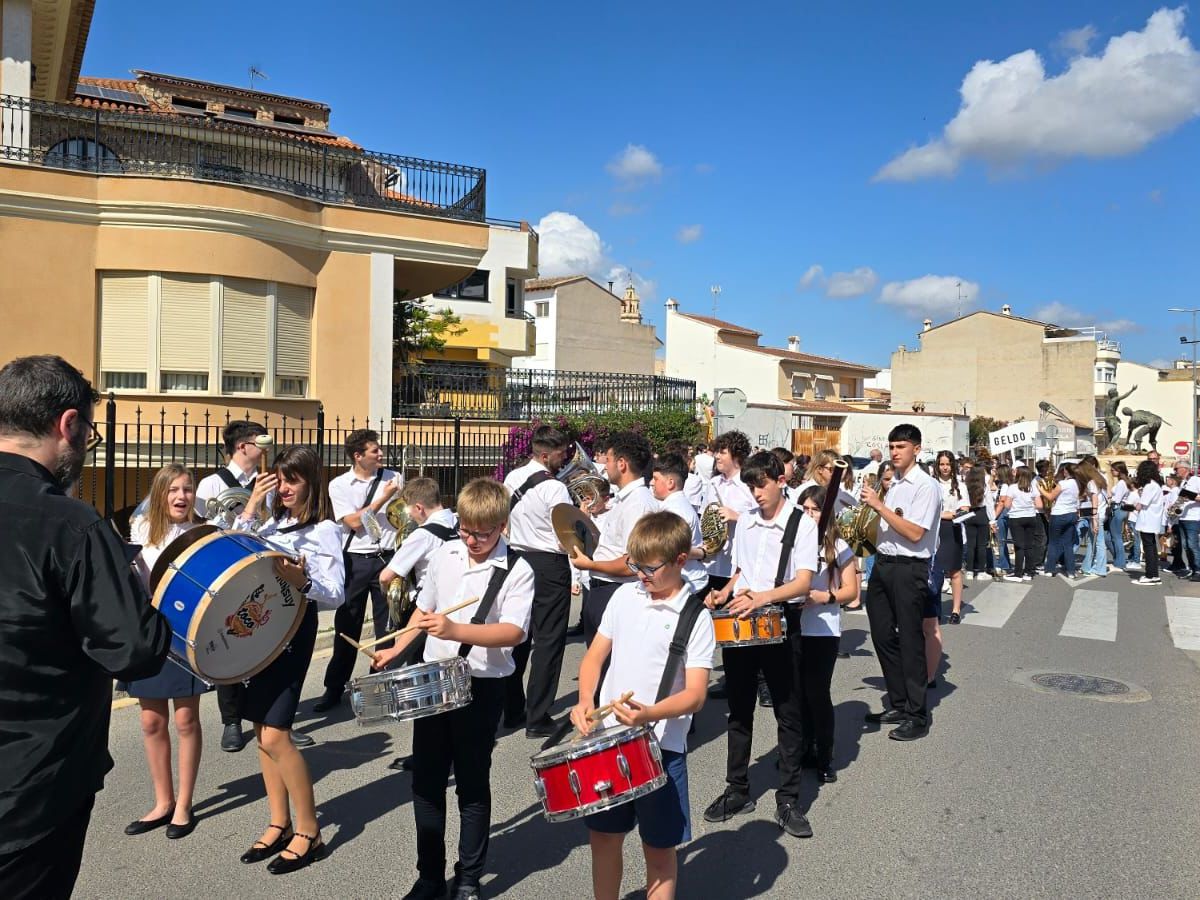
(1022, 503)
(300, 525)
(1000, 482)
(1151, 516)
(979, 526)
(950, 536)
(1095, 560)
(1119, 490)
(1064, 513)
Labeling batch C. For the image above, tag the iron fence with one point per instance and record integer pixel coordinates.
(294, 160)
(449, 390)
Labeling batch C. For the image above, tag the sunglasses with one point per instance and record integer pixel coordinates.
(641, 569)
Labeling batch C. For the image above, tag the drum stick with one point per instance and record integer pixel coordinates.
(357, 646)
(597, 714)
(387, 637)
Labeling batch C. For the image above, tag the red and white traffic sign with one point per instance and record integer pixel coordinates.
(1182, 448)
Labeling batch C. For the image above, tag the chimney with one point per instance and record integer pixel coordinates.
(1006, 310)
(672, 305)
(794, 343)
(610, 284)
(903, 349)
(928, 323)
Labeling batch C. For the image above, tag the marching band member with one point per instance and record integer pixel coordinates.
(358, 497)
(821, 469)
(705, 462)
(666, 483)
(535, 491)
(1152, 513)
(299, 524)
(950, 534)
(736, 500)
(244, 458)
(170, 512)
(634, 638)
(788, 458)
(767, 570)
(626, 463)
(908, 519)
(480, 565)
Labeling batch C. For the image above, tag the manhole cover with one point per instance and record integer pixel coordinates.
(1091, 687)
(1080, 684)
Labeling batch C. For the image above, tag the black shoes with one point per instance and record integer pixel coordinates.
(175, 832)
(954, 619)
(542, 729)
(909, 731)
(300, 739)
(464, 892)
(793, 821)
(401, 764)
(231, 738)
(887, 717)
(842, 654)
(329, 700)
(575, 630)
(514, 720)
(282, 865)
(426, 890)
(764, 696)
(826, 774)
(931, 685)
(728, 805)
(259, 851)
(141, 826)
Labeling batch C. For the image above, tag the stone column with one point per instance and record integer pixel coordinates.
(379, 366)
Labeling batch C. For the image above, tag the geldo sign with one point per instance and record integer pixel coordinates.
(1182, 448)
(1022, 434)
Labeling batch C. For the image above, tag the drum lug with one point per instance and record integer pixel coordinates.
(623, 766)
(602, 787)
(657, 751)
(539, 788)
(737, 629)
(573, 780)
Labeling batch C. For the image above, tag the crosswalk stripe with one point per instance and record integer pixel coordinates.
(1183, 614)
(1093, 615)
(996, 603)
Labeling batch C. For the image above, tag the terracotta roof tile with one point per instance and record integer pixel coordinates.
(810, 359)
(545, 284)
(721, 324)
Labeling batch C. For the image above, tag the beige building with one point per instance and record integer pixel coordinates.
(1001, 365)
(195, 246)
(583, 327)
(1166, 393)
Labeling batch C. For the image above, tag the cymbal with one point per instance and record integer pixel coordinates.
(574, 529)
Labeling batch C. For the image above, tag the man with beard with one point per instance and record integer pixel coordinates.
(73, 615)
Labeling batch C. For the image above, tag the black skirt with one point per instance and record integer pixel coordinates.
(173, 682)
(950, 547)
(273, 694)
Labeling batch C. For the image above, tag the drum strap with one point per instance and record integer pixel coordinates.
(442, 532)
(530, 483)
(489, 597)
(370, 496)
(692, 608)
(230, 481)
(788, 542)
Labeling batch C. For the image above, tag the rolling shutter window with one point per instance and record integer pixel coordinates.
(184, 332)
(243, 335)
(124, 330)
(293, 339)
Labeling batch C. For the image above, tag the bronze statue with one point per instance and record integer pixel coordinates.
(1112, 424)
(1146, 424)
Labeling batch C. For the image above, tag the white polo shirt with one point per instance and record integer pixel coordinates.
(825, 619)
(758, 543)
(348, 494)
(628, 505)
(641, 629)
(734, 493)
(695, 489)
(452, 578)
(413, 555)
(916, 497)
(529, 523)
(694, 572)
(705, 465)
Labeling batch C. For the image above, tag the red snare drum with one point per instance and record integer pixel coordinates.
(608, 767)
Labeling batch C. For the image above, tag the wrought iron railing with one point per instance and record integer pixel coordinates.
(449, 390)
(201, 148)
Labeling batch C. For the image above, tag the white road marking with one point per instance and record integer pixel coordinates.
(996, 603)
(1093, 615)
(1183, 614)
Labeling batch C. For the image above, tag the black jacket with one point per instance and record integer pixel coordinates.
(73, 615)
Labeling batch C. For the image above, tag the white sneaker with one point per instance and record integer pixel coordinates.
(1133, 567)
(946, 588)
(1014, 578)
(968, 576)
(1026, 578)
(1147, 581)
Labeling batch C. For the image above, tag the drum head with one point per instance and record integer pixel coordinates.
(175, 549)
(599, 739)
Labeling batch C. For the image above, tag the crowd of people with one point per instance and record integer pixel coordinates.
(76, 612)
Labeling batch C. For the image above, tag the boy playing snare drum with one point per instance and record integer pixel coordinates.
(635, 635)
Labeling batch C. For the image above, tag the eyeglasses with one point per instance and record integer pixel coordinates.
(641, 569)
(95, 439)
(480, 536)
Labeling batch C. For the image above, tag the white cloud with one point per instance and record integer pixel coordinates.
(932, 296)
(1077, 41)
(1144, 84)
(635, 164)
(1067, 316)
(567, 246)
(839, 285)
(689, 234)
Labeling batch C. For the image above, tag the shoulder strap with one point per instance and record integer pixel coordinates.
(789, 541)
(231, 480)
(489, 596)
(441, 532)
(290, 528)
(692, 608)
(530, 483)
(370, 496)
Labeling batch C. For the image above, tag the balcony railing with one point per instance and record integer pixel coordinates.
(449, 390)
(200, 148)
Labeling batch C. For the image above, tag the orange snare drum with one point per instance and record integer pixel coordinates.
(765, 625)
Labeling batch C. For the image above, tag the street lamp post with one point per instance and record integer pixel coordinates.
(1195, 418)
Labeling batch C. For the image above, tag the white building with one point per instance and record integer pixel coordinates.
(1165, 393)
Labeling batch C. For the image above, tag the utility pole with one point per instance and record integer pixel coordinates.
(715, 290)
(1193, 456)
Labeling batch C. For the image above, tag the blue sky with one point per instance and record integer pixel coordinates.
(696, 144)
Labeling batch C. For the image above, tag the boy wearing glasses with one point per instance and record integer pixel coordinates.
(479, 565)
(635, 635)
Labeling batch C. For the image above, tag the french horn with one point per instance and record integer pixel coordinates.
(579, 475)
(714, 530)
(859, 525)
(394, 512)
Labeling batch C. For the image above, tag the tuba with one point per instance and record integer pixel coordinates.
(222, 509)
(579, 475)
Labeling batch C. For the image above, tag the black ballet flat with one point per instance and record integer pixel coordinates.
(282, 865)
(258, 853)
(141, 826)
(175, 832)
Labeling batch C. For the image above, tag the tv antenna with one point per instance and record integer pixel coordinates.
(716, 295)
(256, 72)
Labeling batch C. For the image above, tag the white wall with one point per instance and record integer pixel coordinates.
(693, 353)
(545, 330)
(1169, 399)
(864, 431)
(507, 257)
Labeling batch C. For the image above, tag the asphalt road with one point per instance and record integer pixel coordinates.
(1016, 792)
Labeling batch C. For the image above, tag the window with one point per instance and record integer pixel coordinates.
(819, 390)
(82, 153)
(188, 105)
(541, 309)
(473, 287)
(182, 333)
(240, 113)
(289, 120)
(799, 386)
(514, 299)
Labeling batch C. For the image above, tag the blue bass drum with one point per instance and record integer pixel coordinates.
(230, 614)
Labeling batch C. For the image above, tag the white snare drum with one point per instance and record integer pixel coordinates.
(424, 689)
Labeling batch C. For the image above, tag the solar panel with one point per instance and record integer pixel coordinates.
(128, 98)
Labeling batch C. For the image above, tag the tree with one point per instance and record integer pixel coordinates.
(417, 329)
(980, 428)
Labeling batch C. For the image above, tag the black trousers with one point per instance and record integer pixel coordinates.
(362, 581)
(1041, 540)
(895, 607)
(979, 532)
(463, 738)
(546, 641)
(229, 699)
(813, 678)
(1149, 553)
(595, 602)
(47, 868)
(1177, 554)
(1024, 532)
(742, 667)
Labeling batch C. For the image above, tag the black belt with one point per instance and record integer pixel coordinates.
(898, 558)
(377, 554)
